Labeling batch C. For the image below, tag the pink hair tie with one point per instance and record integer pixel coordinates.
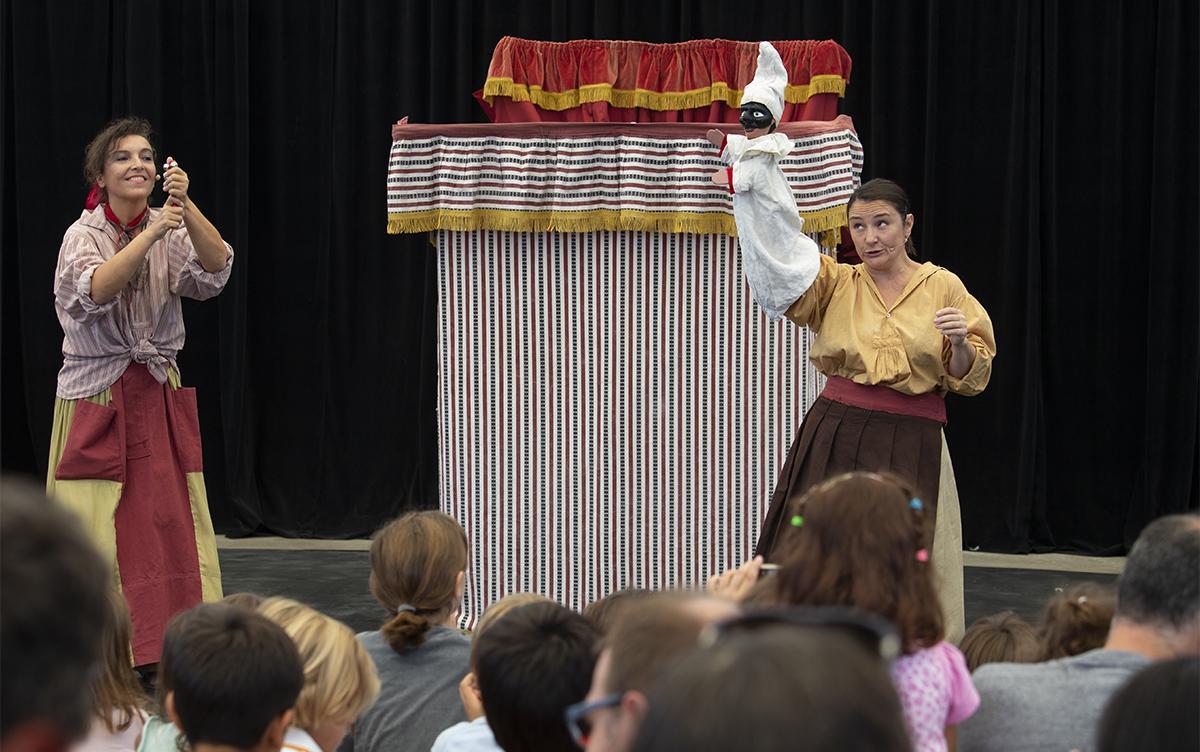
(93, 198)
(922, 555)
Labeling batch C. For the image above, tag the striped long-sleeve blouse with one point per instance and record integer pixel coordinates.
(143, 323)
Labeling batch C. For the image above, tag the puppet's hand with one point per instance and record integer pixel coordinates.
(715, 137)
(721, 178)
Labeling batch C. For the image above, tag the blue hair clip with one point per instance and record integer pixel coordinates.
(916, 504)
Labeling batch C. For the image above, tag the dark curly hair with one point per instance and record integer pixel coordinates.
(103, 143)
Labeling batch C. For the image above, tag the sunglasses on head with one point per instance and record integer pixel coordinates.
(877, 636)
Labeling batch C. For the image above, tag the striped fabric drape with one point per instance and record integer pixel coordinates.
(613, 409)
(585, 177)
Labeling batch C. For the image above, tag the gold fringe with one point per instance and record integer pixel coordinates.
(718, 91)
(830, 238)
(824, 84)
(551, 221)
(821, 220)
(827, 222)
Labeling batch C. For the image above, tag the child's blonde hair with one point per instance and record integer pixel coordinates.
(339, 677)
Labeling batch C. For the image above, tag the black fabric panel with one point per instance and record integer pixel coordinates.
(1050, 151)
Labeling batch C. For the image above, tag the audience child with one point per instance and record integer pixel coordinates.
(1155, 710)
(160, 734)
(418, 573)
(862, 540)
(530, 666)
(474, 734)
(999, 638)
(1056, 705)
(605, 612)
(777, 689)
(651, 634)
(339, 677)
(234, 677)
(118, 703)
(1076, 621)
(52, 613)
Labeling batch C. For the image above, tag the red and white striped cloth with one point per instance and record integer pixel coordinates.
(613, 409)
(576, 177)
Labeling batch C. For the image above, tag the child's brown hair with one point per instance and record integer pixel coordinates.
(415, 562)
(862, 540)
(117, 696)
(999, 638)
(1076, 621)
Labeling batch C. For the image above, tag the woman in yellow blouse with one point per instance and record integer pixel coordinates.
(894, 336)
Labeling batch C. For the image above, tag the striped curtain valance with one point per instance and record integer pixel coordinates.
(589, 177)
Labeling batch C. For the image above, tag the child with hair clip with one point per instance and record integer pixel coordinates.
(118, 703)
(418, 574)
(862, 540)
(339, 677)
(1076, 621)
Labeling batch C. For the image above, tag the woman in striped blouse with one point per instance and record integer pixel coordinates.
(125, 446)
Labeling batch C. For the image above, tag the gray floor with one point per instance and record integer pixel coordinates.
(335, 581)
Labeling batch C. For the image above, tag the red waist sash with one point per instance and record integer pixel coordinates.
(930, 405)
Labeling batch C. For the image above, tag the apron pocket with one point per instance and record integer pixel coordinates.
(93, 450)
(185, 428)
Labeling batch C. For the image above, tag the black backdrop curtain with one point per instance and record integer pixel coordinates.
(1050, 149)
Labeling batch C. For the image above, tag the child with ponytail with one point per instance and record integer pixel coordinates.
(418, 573)
(1076, 621)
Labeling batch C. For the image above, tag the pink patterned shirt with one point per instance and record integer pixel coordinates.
(935, 691)
(143, 323)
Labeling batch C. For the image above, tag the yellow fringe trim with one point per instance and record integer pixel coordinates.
(822, 220)
(830, 238)
(652, 100)
(552, 221)
(826, 221)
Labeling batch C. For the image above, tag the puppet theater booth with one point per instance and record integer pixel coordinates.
(612, 406)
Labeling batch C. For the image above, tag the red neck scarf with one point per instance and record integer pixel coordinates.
(128, 229)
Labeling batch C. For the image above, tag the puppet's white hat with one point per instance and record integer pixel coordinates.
(770, 79)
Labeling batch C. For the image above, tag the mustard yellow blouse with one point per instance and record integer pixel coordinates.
(859, 338)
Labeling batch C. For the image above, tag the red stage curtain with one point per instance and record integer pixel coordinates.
(690, 82)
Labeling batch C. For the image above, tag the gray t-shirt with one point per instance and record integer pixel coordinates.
(418, 694)
(1045, 706)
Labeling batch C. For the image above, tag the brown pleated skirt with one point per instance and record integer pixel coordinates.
(836, 438)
